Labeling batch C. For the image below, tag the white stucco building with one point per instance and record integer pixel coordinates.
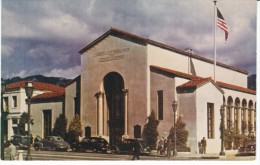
(124, 77)
(14, 104)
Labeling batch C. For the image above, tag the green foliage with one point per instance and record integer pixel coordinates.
(233, 139)
(22, 122)
(150, 132)
(75, 130)
(181, 136)
(60, 126)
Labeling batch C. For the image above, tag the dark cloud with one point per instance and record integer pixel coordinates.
(44, 37)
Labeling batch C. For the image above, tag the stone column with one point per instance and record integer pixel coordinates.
(10, 128)
(225, 116)
(125, 91)
(100, 129)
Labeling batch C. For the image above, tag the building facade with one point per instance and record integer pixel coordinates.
(14, 104)
(124, 77)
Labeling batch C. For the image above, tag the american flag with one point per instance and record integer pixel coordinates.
(222, 23)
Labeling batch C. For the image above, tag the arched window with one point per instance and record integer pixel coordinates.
(250, 110)
(243, 116)
(229, 107)
(236, 114)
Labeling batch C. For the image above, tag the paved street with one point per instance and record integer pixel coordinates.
(53, 155)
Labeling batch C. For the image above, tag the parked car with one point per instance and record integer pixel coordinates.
(94, 144)
(249, 150)
(20, 141)
(52, 143)
(126, 147)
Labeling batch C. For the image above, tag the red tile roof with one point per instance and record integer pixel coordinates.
(145, 41)
(236, 88)
(49, 95)
(180, 74)
(196, 83)
(37, 85)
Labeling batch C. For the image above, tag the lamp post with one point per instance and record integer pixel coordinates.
(2, 121)
(222, 152)
(29, 92)
(174, 108)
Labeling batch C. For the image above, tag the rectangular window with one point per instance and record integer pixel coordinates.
(47, 122)
(14, 121)
(210, 114)
(160, 104)
(14, 101)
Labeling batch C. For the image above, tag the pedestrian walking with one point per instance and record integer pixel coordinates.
(169, 148)
(12, 151)
(136, 150)
(164, 146)
(203, 145)
(160, 146)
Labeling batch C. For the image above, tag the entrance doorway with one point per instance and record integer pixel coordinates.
(113, 85)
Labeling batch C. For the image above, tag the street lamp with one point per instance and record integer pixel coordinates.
(174, 108)
(222, 152)
(29, 92)
(3, 115)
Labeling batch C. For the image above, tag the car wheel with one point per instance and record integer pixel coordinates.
(36, 148)
(117, 150)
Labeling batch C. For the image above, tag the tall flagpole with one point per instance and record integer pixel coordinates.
(215, 51)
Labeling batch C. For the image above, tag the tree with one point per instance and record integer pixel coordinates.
(22, 122)
(181, 136)
(150, 132)
(74, 130)
(233, 138)
(60, 126)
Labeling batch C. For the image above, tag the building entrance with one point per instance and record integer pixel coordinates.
(114, 85)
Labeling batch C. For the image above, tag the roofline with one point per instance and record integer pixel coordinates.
(204, 82)
(176, 73)
(145, 41)
(72, 81)
(218, 83)
(235, 88)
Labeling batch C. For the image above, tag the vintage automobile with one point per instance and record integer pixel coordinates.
(20, 141)
(52, 143)
(94, 144)
(249, 150)
(126, 147)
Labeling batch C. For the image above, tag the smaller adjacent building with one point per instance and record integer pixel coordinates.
(50, 96)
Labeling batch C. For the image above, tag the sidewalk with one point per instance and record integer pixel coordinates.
(190, 156)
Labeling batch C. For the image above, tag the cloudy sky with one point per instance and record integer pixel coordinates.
(45, 36)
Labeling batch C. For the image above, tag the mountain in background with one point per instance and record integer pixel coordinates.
(39, 78)
(251, 82)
